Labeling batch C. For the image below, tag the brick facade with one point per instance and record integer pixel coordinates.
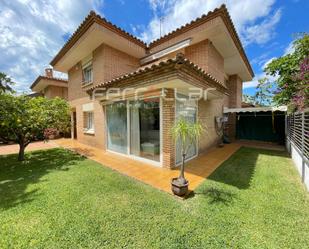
(109, 63)
(206, 56)
(207, 111)
(56, 91)
(168, 119)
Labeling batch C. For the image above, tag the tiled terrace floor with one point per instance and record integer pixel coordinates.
(196, 170)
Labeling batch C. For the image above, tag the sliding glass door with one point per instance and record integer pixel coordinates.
(117, 136)
(145, 128)
(133, 127)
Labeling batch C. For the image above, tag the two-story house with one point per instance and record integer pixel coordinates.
(125, 95)
(49, 86)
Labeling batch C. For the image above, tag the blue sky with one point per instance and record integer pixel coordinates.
(32, 31)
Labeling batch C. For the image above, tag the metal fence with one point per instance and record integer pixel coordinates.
(298, 131)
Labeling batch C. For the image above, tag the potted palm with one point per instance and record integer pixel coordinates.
(187, 134)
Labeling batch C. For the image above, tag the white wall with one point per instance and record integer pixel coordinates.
(301, 165)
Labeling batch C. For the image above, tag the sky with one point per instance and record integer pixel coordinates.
(33, 31)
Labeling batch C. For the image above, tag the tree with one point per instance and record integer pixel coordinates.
(264, 92)
(5, 83)
(291, 73)
(187, 133)
(24, 119)
(248, 99)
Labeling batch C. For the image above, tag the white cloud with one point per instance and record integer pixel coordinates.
(254, 82)
(289, 49)
(31, 33)
(254, 19)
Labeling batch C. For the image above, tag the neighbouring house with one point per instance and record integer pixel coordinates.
(49, 86)
(125, 95)
(246, 104)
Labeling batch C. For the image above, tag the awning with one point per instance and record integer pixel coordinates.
(256, 109)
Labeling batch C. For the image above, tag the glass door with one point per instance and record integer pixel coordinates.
(117, 136)
(186, 109)
(145, 128)
(133, 127)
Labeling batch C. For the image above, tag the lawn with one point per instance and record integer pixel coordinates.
(57, 199)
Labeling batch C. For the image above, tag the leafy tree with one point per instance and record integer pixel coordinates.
(24, 119)
(291, 71)
(264, 94)
(5, 83)
(248, 99)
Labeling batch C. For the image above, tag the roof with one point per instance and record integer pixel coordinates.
(83, 27)
(178, 61)
(95, 18)
(256, 109)
(224, 14)
(34, 95)
(41, 77)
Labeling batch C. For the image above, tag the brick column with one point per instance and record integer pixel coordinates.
(235, 98)
(168, 118)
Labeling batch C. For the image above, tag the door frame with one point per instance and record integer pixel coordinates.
(138, 158)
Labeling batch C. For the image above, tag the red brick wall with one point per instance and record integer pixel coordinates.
(108, 63)
(206, 56)
(56, 91)
(168, 110)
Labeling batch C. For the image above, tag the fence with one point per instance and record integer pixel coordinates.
(297, 131)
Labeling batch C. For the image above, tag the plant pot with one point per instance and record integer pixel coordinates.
(178, 188)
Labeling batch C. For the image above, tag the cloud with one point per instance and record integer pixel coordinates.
(253, 26)
(32, 31)
(255, 81)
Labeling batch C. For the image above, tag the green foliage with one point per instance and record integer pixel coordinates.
(248, 99)
(264, 94)
(187, 132)
(23, 119)
(290, 86)
(56, 199)
(5, 83)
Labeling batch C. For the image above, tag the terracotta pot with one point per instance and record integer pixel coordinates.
(179, 189)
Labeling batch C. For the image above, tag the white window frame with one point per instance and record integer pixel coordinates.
(87, 69)
(89, 129)
(127, 154)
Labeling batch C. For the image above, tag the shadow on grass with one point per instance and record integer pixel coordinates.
(239, 169)
(16, 176)
(215, 195)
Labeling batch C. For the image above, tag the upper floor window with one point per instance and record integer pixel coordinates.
(87, 70)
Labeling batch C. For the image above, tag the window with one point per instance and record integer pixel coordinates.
(88, 122)
(87, 73)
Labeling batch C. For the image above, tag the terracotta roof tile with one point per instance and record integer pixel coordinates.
(221, 11)
(93, 17)
(41, 77)
(82, 28)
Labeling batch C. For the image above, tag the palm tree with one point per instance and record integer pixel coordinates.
(187, 133)
(5, 83)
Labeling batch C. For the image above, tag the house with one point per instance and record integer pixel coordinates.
(49, 86)
(125, 95)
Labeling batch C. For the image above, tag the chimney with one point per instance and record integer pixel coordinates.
(49, 72)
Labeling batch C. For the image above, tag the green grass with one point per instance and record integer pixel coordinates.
(57, 199)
